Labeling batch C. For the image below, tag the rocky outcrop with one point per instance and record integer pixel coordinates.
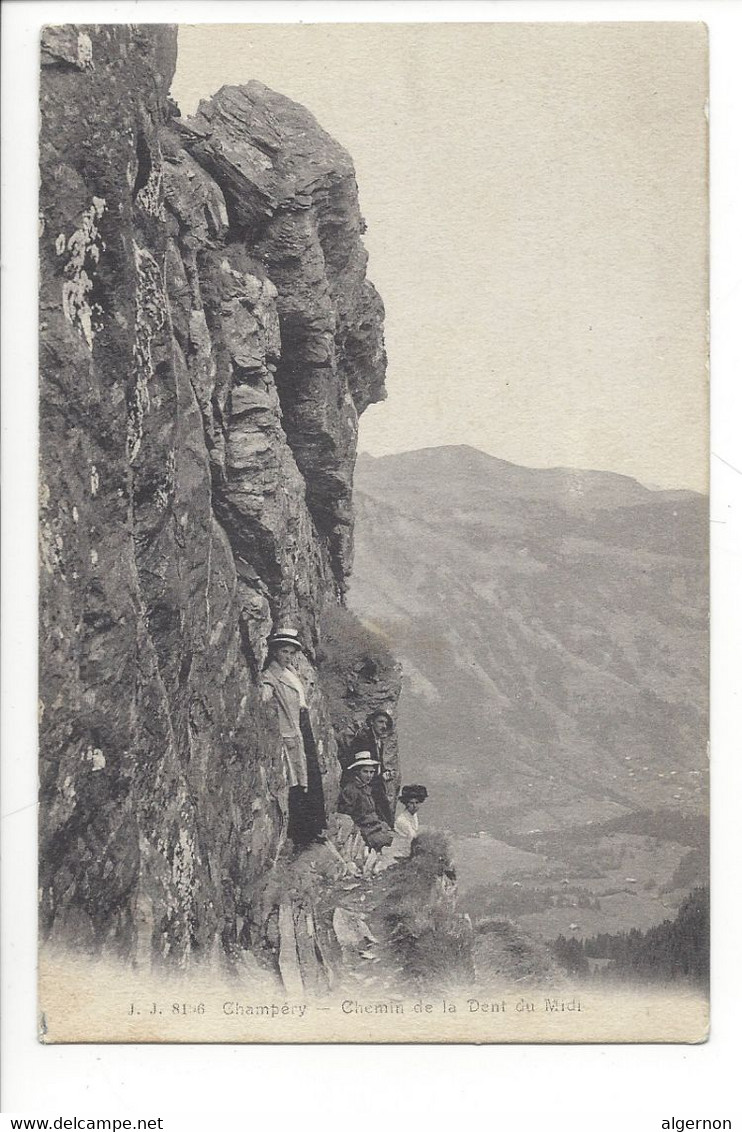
(292, 203)
(207, 341)
(397, 931)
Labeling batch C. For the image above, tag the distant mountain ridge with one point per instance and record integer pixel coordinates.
(552, 625)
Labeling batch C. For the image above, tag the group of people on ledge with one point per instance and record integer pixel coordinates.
(387, 835)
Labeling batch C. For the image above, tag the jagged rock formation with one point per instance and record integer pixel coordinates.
(292, 202)
(378, 935)
(207, 341)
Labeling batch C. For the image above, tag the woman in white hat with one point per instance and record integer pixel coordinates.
(357, 800)
(282, 684)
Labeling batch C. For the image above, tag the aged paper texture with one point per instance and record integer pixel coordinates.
(373, 529)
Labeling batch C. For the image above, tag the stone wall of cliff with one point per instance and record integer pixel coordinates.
(208, 338)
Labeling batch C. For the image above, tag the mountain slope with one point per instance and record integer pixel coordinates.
(552, 628)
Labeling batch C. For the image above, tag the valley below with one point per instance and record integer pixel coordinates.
(552, 630)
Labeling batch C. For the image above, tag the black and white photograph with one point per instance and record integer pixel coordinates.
(373, 529)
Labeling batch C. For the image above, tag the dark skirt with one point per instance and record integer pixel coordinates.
(307, 817)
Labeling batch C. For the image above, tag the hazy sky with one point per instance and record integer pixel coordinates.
(536, 205)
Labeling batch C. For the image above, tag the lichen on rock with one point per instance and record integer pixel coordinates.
(82, 250)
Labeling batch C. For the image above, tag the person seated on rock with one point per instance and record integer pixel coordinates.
(406, 826)
(357, 800)
(370, 736)
(283, 686)
(407, 823)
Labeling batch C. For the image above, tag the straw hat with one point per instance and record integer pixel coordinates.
(285, 637)
(364, 758)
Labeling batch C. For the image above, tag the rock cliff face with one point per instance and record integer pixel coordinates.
(207, 341)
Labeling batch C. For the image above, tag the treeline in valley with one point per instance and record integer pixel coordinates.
(674, 949)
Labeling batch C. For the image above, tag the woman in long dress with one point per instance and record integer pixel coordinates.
(282, 684)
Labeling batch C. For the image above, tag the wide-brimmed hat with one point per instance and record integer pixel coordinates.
(364, 758)
(380, 713)
(413, 794)
(285, 637)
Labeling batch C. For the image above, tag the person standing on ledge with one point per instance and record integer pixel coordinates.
(370, 737)
(283, 685)
(357, 801)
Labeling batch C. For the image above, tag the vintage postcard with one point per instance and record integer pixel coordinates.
(373, 533)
